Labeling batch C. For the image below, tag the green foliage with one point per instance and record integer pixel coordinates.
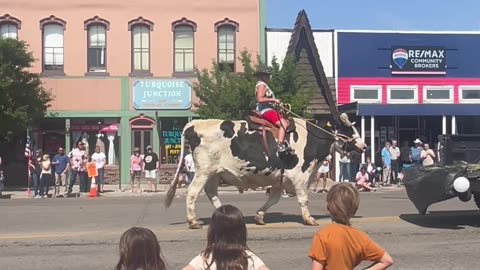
(23, 101)
(226, 95)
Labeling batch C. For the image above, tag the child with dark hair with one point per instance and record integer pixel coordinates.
(139, 250)
(227, 244)
(339, 245)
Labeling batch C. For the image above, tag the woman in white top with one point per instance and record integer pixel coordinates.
(323, 173)
(45, 176)
(100, 159)
(227, 244)
(266, 106)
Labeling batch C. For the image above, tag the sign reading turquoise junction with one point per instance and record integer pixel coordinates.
(168, 94)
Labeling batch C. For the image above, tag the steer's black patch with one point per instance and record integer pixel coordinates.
(317, 146)
(248, 146)
(192, 137)
(227, 128)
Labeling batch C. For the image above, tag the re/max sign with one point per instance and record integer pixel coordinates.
(426, 53)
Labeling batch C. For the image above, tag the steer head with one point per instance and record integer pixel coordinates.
(348, 137)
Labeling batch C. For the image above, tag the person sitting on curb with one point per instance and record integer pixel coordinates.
(340, 245)
(362, 181)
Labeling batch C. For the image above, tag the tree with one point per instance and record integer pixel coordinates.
(226, 95)
(23, 100)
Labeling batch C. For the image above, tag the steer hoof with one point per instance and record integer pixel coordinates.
(195, 226)
(259, 220)
(311, 221)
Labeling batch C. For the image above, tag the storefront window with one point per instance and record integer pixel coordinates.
(470, 94)
(366, 94)
(437, 94)
(401, 94)
(171, 135)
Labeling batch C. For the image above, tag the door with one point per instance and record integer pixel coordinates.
(141, 138)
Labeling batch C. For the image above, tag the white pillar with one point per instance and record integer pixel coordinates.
(337, 166)
(372, 138)
(444, 124)
(454, 125)
(362, 133)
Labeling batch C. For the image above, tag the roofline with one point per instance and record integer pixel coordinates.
(408, 32)
(267, 29)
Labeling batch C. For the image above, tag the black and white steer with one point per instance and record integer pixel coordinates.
(229, 151)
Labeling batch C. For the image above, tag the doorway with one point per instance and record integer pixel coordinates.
(142, 132)
(141, 138)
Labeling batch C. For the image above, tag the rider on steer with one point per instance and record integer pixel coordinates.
(266, 102)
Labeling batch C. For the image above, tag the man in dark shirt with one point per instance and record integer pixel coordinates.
(151, 165)
(35, 165)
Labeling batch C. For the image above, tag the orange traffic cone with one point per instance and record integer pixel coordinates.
(93, 189)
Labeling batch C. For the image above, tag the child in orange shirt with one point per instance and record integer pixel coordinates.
(340, 246)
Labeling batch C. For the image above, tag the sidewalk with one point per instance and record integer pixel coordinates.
(114, 191)
(110, 191)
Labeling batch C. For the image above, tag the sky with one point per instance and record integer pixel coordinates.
(427, 15)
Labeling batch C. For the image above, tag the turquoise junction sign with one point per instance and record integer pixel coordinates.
(169, 94)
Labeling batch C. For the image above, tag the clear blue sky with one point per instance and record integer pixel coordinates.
(378, 14)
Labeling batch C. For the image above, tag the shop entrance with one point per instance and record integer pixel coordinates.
(407, 129)
(141, 139)
(142, 132)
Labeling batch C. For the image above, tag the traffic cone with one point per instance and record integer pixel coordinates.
(93, 189)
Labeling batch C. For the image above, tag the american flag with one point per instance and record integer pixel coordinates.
(28, 151)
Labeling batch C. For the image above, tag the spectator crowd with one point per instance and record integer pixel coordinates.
(45, 172)
(368, 176)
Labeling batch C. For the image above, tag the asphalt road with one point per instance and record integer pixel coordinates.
(83, 233)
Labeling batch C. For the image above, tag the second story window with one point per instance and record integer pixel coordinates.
(140, 29)
(9, 26)
(97, 45)
(226, 30)
(183, 46)
(52, 45)
(97, 48)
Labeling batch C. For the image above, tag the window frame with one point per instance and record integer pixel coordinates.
(188, 23)
(227, 23)
(44, 22)
(414, 88)
(95, 21)
(461, 88)
(366, 87)
(438, 87)
(8, 19)
(140, 21)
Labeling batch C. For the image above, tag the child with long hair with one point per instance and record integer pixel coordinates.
(339, 245)
(139, 250)
(45, 176)
(226, 244)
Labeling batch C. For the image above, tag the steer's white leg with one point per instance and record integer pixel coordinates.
(192, 195)
(273, 198)
(302, 197)
(211, 189)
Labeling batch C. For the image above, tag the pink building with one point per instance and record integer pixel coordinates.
(124, 69)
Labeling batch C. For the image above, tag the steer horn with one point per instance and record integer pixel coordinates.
(345, 120)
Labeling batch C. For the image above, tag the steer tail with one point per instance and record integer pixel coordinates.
(174, 183)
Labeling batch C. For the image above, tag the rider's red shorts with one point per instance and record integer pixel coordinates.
(272, 116)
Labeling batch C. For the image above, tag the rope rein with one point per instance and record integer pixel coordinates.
(337, 136)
